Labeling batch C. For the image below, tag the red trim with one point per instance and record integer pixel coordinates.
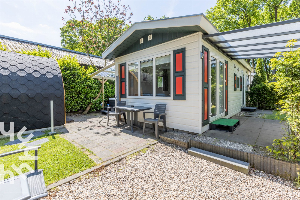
(241, 82)
(179, 85)
(123, 71)
(179, 62)
(235, 82)
(205, 67)
(123, 87)
(205, 104)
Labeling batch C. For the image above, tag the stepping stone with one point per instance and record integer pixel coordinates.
(35, 135)
(37, 142)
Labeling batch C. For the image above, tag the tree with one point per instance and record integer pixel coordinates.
(229, 15)
(287, 65)
(91, 38)
(149, 18)
(93, 26)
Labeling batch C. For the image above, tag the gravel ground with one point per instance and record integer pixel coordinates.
(224, 143)
(168, 172)
(185, 137)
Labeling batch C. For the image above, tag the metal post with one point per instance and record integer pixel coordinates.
(52, 118)
(36, 160)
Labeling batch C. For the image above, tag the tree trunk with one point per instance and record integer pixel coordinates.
(90, 105)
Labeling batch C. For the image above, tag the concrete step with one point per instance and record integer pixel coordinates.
(231, 163)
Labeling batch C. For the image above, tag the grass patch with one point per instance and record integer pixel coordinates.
(142, 151)
(58, 158)
(275, 116)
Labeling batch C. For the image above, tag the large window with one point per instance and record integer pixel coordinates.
(146, 78)
(221, 87)
(133, 79)
(163, 68)
(213, 86)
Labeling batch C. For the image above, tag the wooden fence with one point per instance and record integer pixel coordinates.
(269, 165)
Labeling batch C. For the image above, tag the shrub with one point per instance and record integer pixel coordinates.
(80, 88)
(262, 94)
(287, 65)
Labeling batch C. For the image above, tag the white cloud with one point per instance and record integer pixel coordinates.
(14, 26)
(171, 10)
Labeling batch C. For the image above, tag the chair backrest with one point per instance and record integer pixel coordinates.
(159, 108)
(112, 102)
(121, 103)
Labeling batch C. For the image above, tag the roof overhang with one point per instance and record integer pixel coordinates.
(257, 42)
(190, 23)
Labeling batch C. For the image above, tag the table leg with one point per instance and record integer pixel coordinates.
(131, 120)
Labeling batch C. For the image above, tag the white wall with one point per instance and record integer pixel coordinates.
(186, 114)
(181, 114)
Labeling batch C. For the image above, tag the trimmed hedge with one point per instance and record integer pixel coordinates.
(80, 88)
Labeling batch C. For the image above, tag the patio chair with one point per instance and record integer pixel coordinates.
(30, 185)
(115, 112)
(159, 116)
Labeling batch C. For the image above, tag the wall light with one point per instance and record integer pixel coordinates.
(201, 55)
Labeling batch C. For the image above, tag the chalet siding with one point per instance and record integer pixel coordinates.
(181, 114)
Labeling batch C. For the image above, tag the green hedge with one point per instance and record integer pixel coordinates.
(80, 88)
(262, 94)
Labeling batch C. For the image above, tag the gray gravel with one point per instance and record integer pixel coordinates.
(224, 143)
(168, 172)
(185, 137)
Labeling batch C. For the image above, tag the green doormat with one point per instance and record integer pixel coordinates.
(231, 123)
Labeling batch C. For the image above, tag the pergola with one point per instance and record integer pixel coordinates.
(104, 74)
(257, 42)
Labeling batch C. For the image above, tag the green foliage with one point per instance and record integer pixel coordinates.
(276, 115)
(149, 18)
(80, 88)
(3, 47)
(287, 65)
(58, 158)
(37, 52)
(91, 38)
(262, 94)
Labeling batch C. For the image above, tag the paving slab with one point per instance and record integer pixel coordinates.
(252, 130)
(106, 142)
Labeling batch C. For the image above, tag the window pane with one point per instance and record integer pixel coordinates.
(221, 87)
(213, 86)
(147, 78)
(133, 79)
(163, 67)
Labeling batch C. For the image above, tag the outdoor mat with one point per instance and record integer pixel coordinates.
(227, 123)
(35, 135)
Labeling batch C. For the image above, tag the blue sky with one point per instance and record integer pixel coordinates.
(40, 20)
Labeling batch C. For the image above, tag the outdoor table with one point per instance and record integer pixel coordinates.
(131, 109)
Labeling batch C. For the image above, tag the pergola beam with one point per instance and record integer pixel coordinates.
(262, 49)
(253, 28)
(258, 37)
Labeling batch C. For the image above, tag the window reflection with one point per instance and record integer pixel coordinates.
(163, 68)
(213, 86)
(133, 79)
(146, 78)
(221, 88)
